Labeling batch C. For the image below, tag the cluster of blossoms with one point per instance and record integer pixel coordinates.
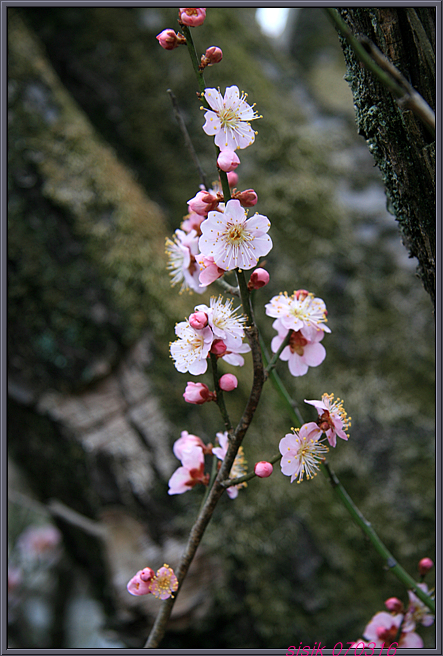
(399, 623)
(191, 451)
(161, 584)
(304, 448)
(215, 329)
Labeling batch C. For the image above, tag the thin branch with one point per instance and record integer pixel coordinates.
(187, 138)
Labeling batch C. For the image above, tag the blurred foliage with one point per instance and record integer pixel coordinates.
(297, 568)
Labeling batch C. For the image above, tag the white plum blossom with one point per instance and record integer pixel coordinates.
(228, 119)
(301, 452)
(183, 266)
(222, 318)
(233, 240)
(301, 311)
(191, 350)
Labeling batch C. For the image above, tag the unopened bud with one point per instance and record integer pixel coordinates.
(232, 178)
(228, 160)
(263, 469)
(218, 347)
(198, 320)
(259, 278)
(169, 40)
(228, 382)
(202, 203)
(146, 574)
(394, 605)
(247, 198)
(214, 54)
(425, 565)
(197, 393)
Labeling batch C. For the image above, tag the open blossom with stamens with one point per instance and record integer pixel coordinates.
(223, 320)
(228, 119)
(190, 473)
(190, 351)
(183, 266)
(332, 418)
(383, 629)
(301, 311)
(186, 440)
(164, 583)
(233, 240)
(301, 352)
(301, 453)
(239, 467)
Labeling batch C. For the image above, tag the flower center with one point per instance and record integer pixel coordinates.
(388, 635)
(228, 117)
(236, 234)
(191, 12)
(297, 342)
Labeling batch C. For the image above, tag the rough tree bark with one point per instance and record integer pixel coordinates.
(402, 147)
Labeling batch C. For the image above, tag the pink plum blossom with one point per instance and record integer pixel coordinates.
(191, 350)
(301, 452)
(198, 320)
(198, 393)
(169, 40)
(218, 347)
(263, 469)
(192, 16)
(183, 266)
(164, 583)
(192, 221)
(425, 565)
(190, 473)
(213, 55)
(228, 382)
(186, 440)
(233, 240)
(228, 160)
(232, 355)
(301, 311)
(140, 584)
(203, 202)
(301, 352)
(232, 178)
(333, 419)
(228, 119)
(247, 198)
(383, 628)
(259, 278)
(209, 271)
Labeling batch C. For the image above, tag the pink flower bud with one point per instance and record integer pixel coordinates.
(146, 574)
(198, 320)
(228, 160)
(192, 16)
(263, 469)
(425, 565)
(202, 203)
(169, 40)
(137, 586)
(197, 393)
(214, 55)
(394, 605)
(247, 198)
(218, 347)
(232, 178)
(228, 382)
(259, 278)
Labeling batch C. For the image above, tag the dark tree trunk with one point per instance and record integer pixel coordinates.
(402, 147)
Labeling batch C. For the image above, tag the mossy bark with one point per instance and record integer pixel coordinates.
(401, 145)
